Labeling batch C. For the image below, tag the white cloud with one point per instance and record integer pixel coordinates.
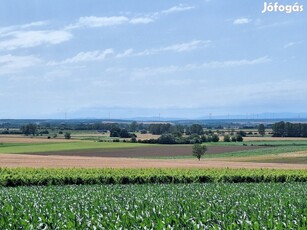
(126, 53)
(86, 57)
(235, 63)
(178, 8)
(6, 31)
(93, 21)
(34, 24)
(179, 47)
(241, 21)
(143, 72)
(12, 64)
(109, 53)
(26, 39)
(290, 44)
(141, 20)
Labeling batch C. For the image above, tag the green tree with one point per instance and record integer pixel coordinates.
(196, 129)
(115, 131)
(29, 129)
(239, 138)
(261, 129)
(124, 133)
(67, 135)
(133, 127)
(233, 138)
(199, 150)
(226, 138)
(215, 138)
(166, 139)
(278, 129)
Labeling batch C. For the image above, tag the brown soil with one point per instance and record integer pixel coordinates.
(148, 151)
(18, 160)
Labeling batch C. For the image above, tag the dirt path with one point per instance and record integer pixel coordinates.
(35, 161)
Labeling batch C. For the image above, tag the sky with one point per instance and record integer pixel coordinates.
(133, 58)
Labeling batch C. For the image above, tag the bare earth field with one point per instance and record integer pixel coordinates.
(148, 151)
(35, 161)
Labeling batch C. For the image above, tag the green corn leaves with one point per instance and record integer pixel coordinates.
(156, 206)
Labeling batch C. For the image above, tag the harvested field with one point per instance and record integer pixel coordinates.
(292, 158)
(147, 151)
(34, 161)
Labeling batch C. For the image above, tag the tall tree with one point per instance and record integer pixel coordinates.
(196, 129)
(29, 129)
(199, 150)
(261, 129)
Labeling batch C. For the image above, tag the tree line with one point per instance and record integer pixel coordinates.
(287, 129)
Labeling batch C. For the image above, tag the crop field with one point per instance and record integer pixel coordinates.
(93, 154)
(86, 184)
(159, 206)
(30, 139)
(40, 176)
(59, 147)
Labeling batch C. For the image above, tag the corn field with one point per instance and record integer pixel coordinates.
(155, 206)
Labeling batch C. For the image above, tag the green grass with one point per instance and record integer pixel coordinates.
(259, 152)
(261, 143)
(183, 206)
(2, 145)
(54, 147)
(286, 160)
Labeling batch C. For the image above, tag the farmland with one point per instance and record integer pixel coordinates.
(61, 176)
(183, 206)
(90, 153)
(95, 181)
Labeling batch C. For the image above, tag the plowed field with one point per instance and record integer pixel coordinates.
(148, 151)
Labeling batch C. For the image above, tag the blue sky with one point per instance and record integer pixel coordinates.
(134, 58)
